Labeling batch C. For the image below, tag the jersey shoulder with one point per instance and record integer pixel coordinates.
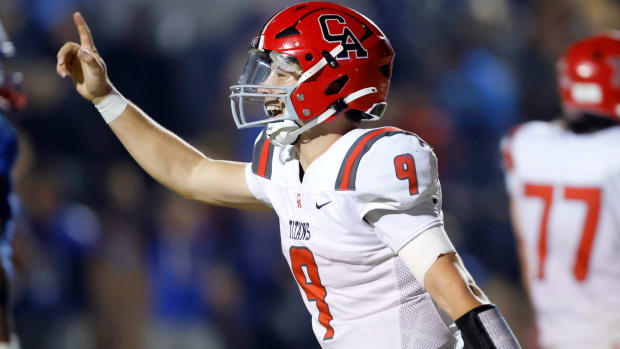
(536, 137)
(262, 156)
(532, 129)
(268, 160)
(549, 131)
(525, 135)
(610, 137)
(391, 166)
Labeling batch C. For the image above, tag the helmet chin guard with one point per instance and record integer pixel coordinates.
(281, 133)
(287, 132)
(250, 90)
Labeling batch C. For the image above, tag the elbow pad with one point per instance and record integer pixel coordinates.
(484, 327)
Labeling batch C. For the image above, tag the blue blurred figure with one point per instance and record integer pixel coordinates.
(10, 100)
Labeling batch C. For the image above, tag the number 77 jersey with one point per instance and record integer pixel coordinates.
(357, 290)
(565, 192)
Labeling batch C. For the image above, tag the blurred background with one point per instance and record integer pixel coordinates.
(107, 258)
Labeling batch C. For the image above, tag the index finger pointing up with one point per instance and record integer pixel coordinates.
(86, 39)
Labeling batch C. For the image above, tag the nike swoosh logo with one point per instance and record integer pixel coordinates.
(318, 207)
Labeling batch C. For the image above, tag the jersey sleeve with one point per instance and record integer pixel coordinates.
(258, 172)
(398, 189)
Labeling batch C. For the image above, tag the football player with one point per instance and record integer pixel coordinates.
(563, 178)
(10, 100)
(359, 209)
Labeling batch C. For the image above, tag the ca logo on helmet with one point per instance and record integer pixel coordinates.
(345, 38)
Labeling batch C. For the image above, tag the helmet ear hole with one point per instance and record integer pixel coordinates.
(385, 70)
(335, 86)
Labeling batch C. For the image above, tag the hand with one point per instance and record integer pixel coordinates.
(84, 65)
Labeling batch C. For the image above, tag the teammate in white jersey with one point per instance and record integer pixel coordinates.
(360, 210)
(564, 183)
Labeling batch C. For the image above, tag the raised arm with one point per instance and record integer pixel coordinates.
(165, 156)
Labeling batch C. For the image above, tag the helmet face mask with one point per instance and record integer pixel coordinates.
(331, 59)
(264, 88)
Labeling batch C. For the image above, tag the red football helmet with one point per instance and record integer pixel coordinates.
(589, 77)
(345, 61)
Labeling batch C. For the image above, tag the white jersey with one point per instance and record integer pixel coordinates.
(358, 291)
(566, 188)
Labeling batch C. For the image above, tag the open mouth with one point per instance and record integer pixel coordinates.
(274, 108)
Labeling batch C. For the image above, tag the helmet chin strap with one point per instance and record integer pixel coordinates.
(286, 132)
(279, 132)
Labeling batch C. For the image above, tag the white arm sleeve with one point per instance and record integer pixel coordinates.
(421, 252)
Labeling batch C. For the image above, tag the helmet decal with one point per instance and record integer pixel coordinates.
(346, 38)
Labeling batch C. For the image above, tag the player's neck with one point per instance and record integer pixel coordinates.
(316, 141)
(311, 149)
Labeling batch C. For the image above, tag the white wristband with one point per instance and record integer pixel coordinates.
(112, 106)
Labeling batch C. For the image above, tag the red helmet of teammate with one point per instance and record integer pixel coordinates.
(589, 77)
(345, 64)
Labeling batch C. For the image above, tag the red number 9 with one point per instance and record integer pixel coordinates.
(405, 169)
(302, 258)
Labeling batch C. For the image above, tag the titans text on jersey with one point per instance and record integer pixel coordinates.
(299, 230)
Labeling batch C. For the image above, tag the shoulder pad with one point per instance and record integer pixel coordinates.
(262, 157)
(391, 167)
